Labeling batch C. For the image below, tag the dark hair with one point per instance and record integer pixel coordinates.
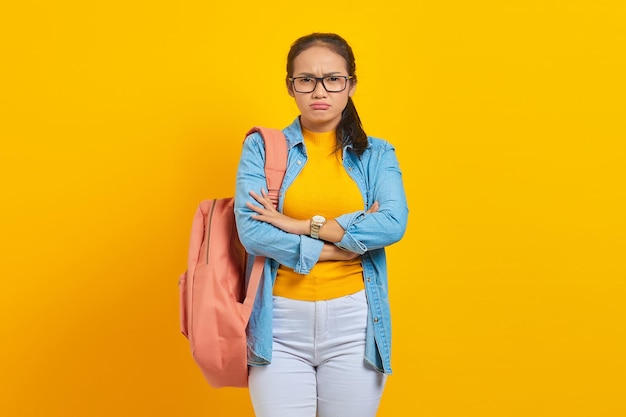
(349, 130)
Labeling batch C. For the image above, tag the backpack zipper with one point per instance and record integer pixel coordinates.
(208, 230)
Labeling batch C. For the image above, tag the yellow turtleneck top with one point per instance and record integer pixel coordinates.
(323, 187)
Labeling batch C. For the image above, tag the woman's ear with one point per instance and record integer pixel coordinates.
(289, 88)
(352, 89)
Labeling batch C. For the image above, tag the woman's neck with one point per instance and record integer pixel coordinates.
(319, 126)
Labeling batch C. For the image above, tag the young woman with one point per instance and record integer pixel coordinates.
(319, 338)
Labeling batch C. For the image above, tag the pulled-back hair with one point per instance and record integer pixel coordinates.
(349, 130)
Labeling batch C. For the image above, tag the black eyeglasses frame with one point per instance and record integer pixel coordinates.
(317, 80)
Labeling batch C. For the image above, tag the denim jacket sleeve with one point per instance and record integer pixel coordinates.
(298, 252)
(381, 173)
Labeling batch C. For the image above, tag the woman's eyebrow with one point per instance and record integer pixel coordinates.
(310, 74)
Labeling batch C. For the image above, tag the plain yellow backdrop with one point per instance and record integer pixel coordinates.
(117, 118)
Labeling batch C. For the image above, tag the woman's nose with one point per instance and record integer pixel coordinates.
(320, 90)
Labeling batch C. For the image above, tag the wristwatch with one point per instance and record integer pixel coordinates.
(317, 222)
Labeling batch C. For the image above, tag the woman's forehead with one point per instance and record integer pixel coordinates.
(319, 59)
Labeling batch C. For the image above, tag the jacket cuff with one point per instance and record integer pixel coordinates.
(348, 242)
(310, 250)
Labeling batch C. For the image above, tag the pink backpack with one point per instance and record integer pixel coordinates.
(215, 305)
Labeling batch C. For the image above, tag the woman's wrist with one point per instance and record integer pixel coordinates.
(331, 231)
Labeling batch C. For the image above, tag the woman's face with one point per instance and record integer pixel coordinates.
(320, 111)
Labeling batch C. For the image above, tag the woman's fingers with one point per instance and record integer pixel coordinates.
(254, 207)
(263, 199)
(373, 208)
(266, 207)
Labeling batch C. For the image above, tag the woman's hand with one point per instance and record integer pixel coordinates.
(373, 208)
(267, 213)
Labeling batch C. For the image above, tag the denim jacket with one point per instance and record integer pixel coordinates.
(378, 177)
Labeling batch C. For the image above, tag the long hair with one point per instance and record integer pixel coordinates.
(349, 130)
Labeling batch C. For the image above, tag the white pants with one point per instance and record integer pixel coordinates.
(318, 366)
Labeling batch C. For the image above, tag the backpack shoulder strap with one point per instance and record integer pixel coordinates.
(275, 167)
(275, 158)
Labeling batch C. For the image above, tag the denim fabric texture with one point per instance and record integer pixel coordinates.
(378, 176)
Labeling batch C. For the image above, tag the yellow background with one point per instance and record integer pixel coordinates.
(118, 117)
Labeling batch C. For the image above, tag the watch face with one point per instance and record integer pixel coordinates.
(318, 219)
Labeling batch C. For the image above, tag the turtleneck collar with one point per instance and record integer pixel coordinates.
(320, 139)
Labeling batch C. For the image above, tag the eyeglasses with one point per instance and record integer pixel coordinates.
(332, 83)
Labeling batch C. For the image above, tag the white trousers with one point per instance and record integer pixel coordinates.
(318, 366)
